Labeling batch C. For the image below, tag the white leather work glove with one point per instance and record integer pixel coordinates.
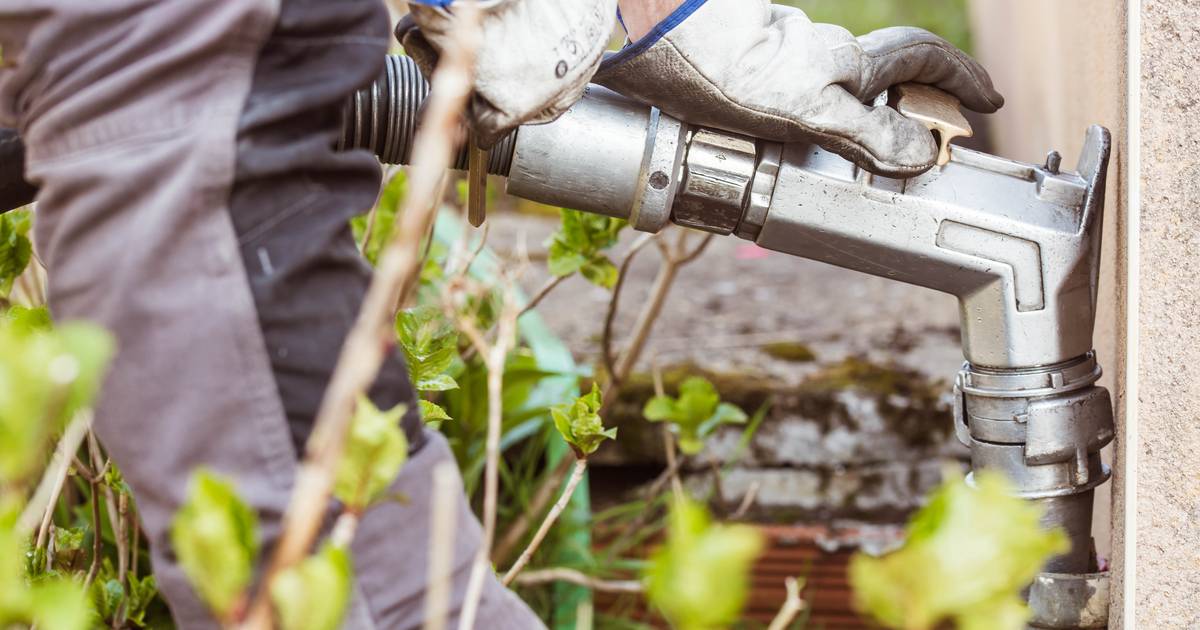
(767, 71)
(535, 59)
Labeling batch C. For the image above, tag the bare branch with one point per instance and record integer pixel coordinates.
(607, 337)
(791, 606)
(41, 505)
(441, 545)
(747, 501)
(494, 359)
(572, 576)
(540, 535)
(542, 293)
(370, 338)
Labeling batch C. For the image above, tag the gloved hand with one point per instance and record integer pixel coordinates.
(767, 71)
(535, 59)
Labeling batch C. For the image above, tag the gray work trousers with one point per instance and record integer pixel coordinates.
(192, 203)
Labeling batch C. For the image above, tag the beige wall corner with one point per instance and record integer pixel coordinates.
(1168, 465)
(1062, 66)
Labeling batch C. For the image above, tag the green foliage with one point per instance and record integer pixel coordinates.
(130, 602)
(384, 218)
(699, 579)
(15, 248)
(45, 377)
(215, 537)
(968, 553)
(430, 345)
(51, 603)
(695, 414)
(579, 244)
(947, 18)
(376, 449)
(313, 595)
(580, 425)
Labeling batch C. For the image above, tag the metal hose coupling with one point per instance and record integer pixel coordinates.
(384, 117)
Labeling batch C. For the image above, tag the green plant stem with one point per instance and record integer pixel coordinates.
(572, 483)
(97, 542)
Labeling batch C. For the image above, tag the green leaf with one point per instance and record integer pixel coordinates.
(695, 414)
(215, 537)
(376, 449)
(430, 346)
(968, 553)
(15, 248)
(699, 579)
(26, 320)
(45, 377)
(436, 383)
(580, 424)
(314, 594)
(579, 244)
(601, 272)
(60, 605)
(433, 414)
(141, 594)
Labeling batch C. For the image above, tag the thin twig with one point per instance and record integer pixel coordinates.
(540, 535)
(97, 541)
(542, 293)
(110, 502)
(494, 357)
(672, 461)
(572, 576)
(41, 505)
(368, 341)
(747, 502)
(611, 316)
(647, 317)
(441, 545)
(344, 529)
(791, 606)
(541, 498)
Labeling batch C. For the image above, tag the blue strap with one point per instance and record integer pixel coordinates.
(660, 30)
(433, 3)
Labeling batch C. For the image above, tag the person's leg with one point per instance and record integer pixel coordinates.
(291, 204)
(191, 203)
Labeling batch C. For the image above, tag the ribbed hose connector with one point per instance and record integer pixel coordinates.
(383, 119)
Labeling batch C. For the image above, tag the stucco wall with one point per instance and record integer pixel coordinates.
(1168, 475)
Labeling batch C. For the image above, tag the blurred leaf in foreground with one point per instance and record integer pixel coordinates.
(215, 536)
(968, 554)
(313, 594)
(699, 579)
(580, 423)
(376, 449)
(45, 377)
(695, 414)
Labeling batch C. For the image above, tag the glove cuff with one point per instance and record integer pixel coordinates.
(660, 30)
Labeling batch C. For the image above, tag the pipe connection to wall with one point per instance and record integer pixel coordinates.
(1018, 245)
